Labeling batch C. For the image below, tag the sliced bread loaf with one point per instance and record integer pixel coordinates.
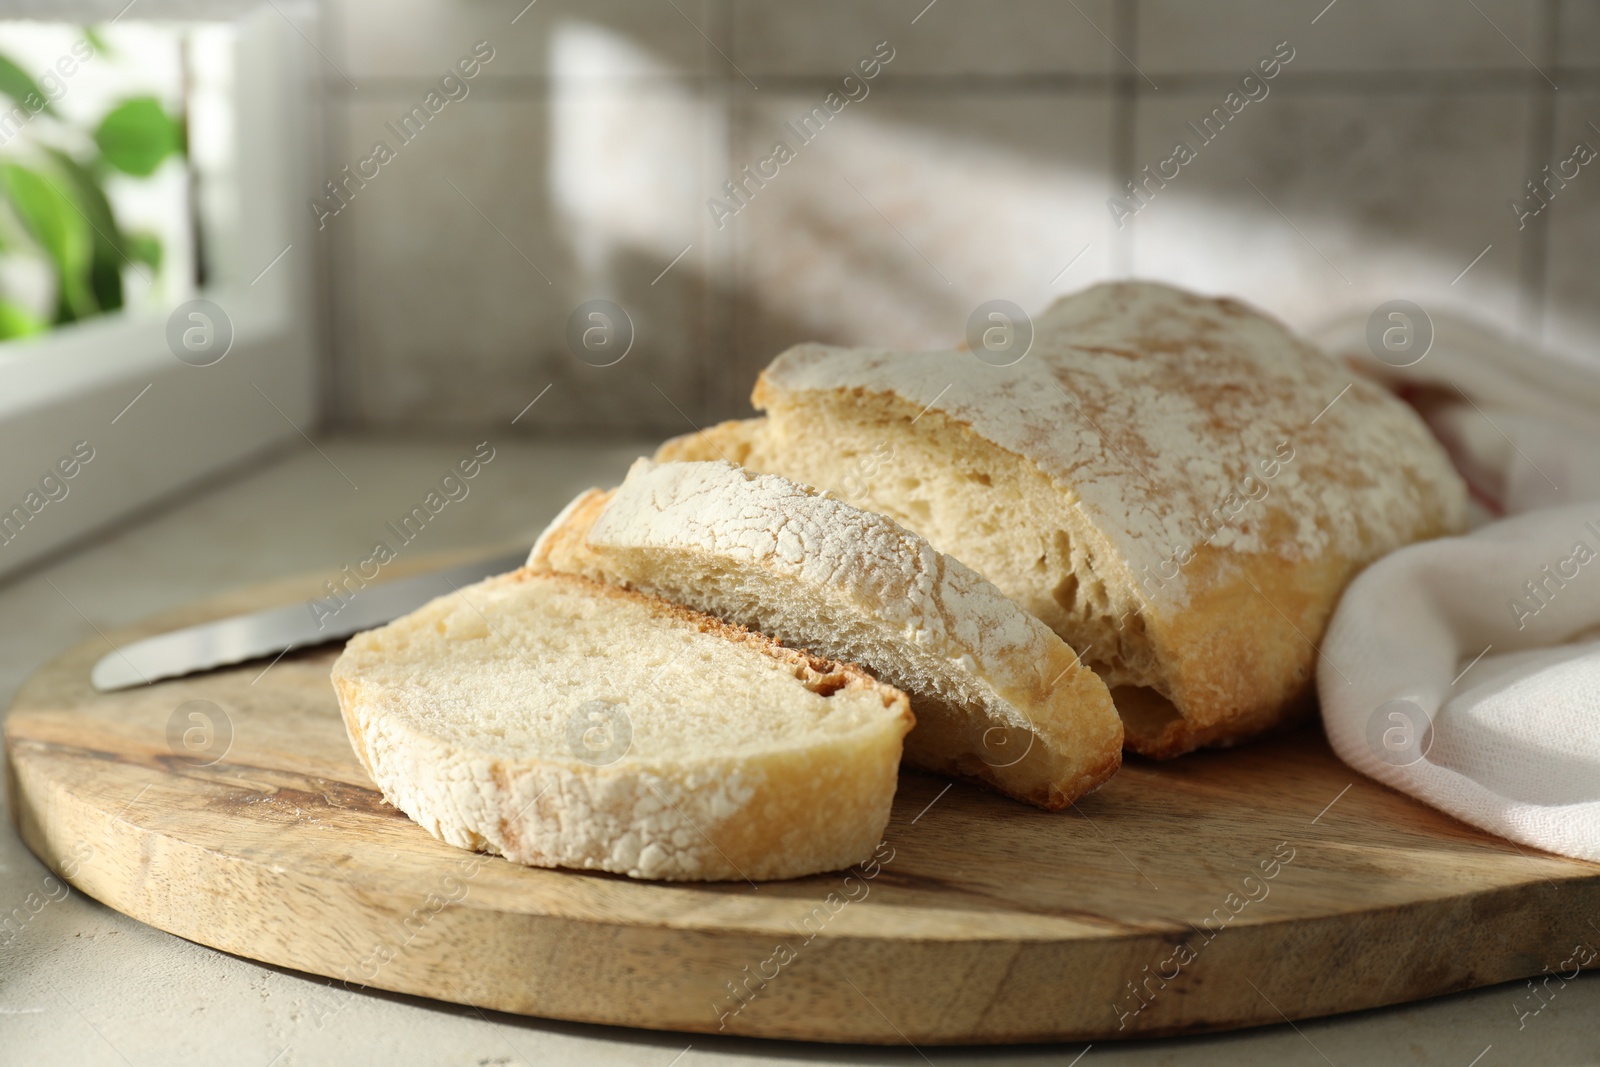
(1177, 485)
(559, 722)
(997, 695)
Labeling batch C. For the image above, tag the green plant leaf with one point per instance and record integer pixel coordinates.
(111, 250)
(105, 281)
(98, 42)
(137, 135)
(91, 197)
(144, 248)
(19, 85)
(54, 222)
(17, 321)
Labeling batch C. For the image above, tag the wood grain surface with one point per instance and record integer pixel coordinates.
(1221, 890)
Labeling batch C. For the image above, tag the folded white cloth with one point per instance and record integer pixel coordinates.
(1466, 671)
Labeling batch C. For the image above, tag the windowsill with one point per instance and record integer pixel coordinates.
(113, 387)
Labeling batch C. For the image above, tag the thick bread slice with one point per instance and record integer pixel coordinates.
(1177, 485)
(997, 695)
(560, 722)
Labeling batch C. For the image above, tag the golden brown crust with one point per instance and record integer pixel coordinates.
(733, 441)
(1237, 659)
(1153, 728)
(1092, 779)
(1142, 415)
(564, 539)
(1242, 655)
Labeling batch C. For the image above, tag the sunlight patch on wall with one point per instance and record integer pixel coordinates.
(628, 143)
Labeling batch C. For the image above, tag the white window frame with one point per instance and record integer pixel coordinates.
(76, 383)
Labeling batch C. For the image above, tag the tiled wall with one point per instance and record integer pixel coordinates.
(979, 163)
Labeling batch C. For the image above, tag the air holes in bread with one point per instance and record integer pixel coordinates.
(1066, 593)
(824, 685)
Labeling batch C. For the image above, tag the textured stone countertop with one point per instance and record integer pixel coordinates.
(84, 985)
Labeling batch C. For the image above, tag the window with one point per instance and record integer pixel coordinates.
(211, 356)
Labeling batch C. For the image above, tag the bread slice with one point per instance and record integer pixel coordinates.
(1177, 485)
(997, 695)
(559, 722)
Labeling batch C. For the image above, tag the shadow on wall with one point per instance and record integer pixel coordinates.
(921, 198)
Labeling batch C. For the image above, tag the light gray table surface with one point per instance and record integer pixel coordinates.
(84, 985)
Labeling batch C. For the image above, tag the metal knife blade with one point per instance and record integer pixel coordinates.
(276, 630)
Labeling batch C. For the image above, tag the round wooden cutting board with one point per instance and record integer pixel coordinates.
(1219, 890)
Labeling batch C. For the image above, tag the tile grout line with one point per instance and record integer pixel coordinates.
(1534, 261)
(1464, 81)
(722, 301)
(337, 406)
(1125, 95)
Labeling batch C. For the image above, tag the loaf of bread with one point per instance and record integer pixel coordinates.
(997, 695)
(559, 722)
(1177, 485)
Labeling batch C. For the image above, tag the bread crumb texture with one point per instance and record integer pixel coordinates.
(1152, 406)
(1175, 484)
(559, 722)
(997, 694)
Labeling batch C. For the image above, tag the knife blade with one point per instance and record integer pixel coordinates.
(276, 630)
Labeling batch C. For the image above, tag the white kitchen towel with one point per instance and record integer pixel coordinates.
(1521, 423)
(1466, 671)
(1454, 670)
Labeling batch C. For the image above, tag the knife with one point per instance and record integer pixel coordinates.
(276, 630)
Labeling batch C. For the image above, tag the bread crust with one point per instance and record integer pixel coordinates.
(781, 813)
(734, 441)
(1041, 727)
(1142, 414)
